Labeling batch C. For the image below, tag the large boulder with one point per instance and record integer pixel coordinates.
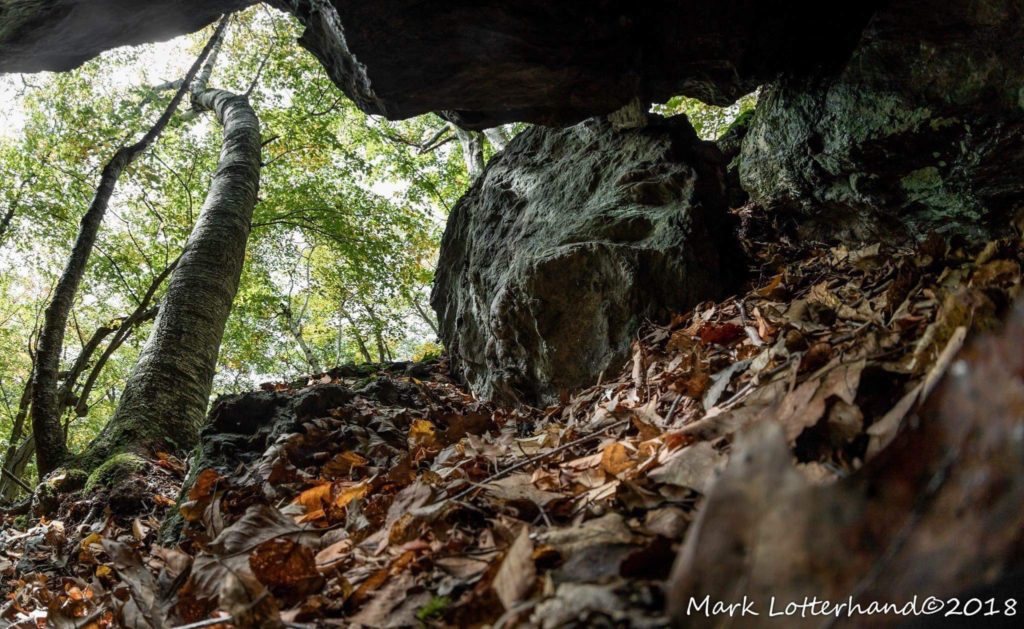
(486, 61)
(922, 130)
(38, 35)
(567, 241)
(491, 61)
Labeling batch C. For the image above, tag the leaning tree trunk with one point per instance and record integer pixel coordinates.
(51, 448)
(294, 325)
(165, 398)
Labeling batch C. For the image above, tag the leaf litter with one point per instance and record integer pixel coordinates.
(387, 497)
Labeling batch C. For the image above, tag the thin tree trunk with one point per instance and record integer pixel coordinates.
(423, 315)
(472, 151)
(496, 136)
(365, 351)
(383, 353)
(81, 400)
(295, 328)
(5, 222)
(51, 448)
(65, 394)
(8, 489)
(142, 313)
(165, 398)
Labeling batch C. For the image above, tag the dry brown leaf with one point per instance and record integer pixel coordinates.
(694, 467)
(286, 567)
(422, 433)
(517, 574)
(721, 334)
(330, 556)
(315, 497)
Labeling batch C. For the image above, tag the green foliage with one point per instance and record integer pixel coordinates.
(344, 237)
(434, 608)
(709, 121)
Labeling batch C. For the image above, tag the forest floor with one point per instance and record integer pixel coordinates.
(396, 499)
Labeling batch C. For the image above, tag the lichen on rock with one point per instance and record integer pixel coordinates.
(921, 131)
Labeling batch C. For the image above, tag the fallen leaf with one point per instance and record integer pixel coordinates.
(341, 465)
(517, 574)
(721, 334)
(287, 568)
(615, 459)
(422, 433)
(694, 467)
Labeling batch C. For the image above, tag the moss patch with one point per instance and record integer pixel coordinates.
(115, 469)
(435, 608)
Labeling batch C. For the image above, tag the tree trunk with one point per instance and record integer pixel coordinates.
(142, 313)
(8, 217)
(295, 328)
(81, 400)
(9, 489)
(472, 151)
(496, 136)
(5, 222)
(51, 449)
(165, 398)
(365, 351)
(423, 315)
(383, 353)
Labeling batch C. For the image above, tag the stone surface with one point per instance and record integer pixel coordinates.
(923, 130)
(38, 35)
(566, 242)
(492, 61)
(485, 61)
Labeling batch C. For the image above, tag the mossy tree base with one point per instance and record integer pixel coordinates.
(115, 470)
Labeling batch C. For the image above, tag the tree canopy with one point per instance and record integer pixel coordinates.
(344, 234)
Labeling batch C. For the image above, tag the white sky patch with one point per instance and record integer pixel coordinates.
(157, 63)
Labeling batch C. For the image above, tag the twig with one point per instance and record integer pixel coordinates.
(9, 474)
(209, 622)
(535, 459)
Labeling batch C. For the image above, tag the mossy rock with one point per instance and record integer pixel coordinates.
(47, 497)
(114, 470)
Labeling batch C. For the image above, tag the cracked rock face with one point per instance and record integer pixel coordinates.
(37, 35)
(923, 130)
(566, 242)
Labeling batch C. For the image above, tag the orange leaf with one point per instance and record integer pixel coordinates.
(286, 567)
(354, 492)
(315, 497)
(615, 459)
(342, 465)
(422, 433)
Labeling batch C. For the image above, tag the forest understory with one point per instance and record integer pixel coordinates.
(831, 389)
